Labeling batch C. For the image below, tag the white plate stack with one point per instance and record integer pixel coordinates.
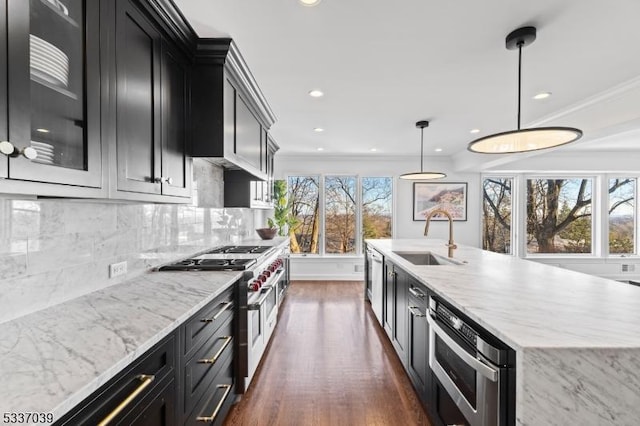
(45, 152)
(48, 62)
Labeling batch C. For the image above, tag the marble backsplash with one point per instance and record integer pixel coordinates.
(52, 251)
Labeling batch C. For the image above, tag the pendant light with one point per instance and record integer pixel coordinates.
(523, 140)
(422, 175)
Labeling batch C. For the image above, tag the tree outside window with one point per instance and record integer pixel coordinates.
(559, 215)
(304, 196)
(340, 211)
(377, 205)
(496, 214)
(622, 232)
(340, 214)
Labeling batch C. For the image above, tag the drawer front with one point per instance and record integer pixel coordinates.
(157, 409)
(206, 363)
(213, 406)
(126, 391)
(207, 321)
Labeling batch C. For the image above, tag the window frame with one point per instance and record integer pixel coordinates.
(599, 213)
(596, 208)
(636, 210)
(513, 206)
(359, 240)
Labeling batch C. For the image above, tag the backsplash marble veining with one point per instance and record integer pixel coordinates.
(52, 251)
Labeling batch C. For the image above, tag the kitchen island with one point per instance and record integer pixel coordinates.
(575, 335)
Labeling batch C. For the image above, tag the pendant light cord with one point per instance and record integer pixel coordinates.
(421, 148)
(519, 78)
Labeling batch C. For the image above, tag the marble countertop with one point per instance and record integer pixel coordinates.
(524, 303)
(575, 335)
(52, 359)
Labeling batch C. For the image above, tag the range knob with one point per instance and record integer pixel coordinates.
(273, 267)
(254, 286)
(457, 323)
(267, 273)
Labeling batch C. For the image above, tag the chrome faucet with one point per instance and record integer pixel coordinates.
(451, 245)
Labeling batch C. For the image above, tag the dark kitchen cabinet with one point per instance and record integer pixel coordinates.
(394, 309)
(4, 130)
(388, 303)
(399, 335)
(241, 190)
(152, 86)
(50, 99)
(156, 409)
(142, 394)
(418, 339)
(176, 103)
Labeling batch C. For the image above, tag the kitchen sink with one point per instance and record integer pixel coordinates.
(426, 258)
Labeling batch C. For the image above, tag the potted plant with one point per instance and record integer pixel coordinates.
(282, 217)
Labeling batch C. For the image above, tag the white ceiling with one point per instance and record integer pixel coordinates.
(384, 65)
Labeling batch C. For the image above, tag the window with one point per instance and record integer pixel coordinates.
(377, 206)
(340, 214)
(304, 195)
(622, 232)
(559, 215)
(351, 209)
(496, 214)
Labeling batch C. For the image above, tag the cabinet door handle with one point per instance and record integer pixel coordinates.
(416, 312)
(213, 360)
(164, 179)
(145, 380)
(8, 149)
(226, 306)
(218, 407)
(415, 292)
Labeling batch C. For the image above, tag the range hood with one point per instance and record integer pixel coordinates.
(230, 116)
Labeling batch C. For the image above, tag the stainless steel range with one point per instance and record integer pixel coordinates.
(262, 289)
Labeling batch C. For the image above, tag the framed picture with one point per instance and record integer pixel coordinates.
(448, 196)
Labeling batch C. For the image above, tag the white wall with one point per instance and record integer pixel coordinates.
(336, 268)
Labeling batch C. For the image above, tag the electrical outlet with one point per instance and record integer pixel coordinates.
(358, 268)
(626, 267)
(117, 269)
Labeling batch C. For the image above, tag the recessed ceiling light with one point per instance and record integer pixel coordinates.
(542, 95)
(320, 149)
(475, 131)
(42, 130)
(373, 149)
(309, 2)
(315, 93)
(438, 149)
(318, 129)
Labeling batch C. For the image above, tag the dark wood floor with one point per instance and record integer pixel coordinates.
(328, 363)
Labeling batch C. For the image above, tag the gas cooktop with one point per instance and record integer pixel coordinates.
(210, 265)
(240, 249)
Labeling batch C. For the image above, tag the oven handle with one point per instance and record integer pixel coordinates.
(256, 306)
(472, 362)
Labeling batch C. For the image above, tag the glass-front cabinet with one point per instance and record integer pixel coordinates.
(53, 92)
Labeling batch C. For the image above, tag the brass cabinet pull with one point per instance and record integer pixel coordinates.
(217, 355)
(146, 380)
(226, 306)
(218, 407)
(415, 292)
(416, 312)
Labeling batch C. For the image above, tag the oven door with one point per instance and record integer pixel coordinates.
(255, 333)
(467, 386)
